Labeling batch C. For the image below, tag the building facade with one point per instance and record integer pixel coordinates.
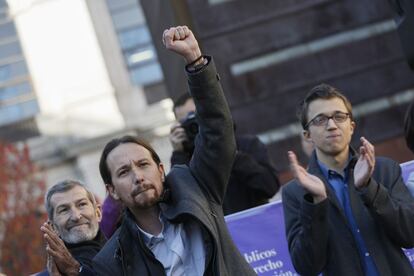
(79, 73)
(270, 53)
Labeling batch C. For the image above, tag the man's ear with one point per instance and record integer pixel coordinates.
(353, 126)
(98, 211)
(306, 135)
(111, 190)
(162, 171)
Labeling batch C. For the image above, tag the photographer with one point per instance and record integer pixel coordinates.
(253, 179)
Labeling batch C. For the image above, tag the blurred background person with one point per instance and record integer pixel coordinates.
(112, 211)
(253, 179)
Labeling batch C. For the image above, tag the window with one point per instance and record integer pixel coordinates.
(115, 5)
(148, 74)
(135, 41)
(132, 16)
(10, 49)
(13, 113)
(3, 4)
(7, 30)
(134, 37)
(15, 90)
(12, 70)
(140, 56)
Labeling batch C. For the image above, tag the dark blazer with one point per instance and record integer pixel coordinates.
(319, 236)
(196, 194)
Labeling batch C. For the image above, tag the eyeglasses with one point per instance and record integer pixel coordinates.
(322, 119)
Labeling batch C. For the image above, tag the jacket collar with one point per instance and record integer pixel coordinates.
(314, 168)
(85, 251)
(132, 251)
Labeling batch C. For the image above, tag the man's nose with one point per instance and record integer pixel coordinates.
(138, 175)
(331, 124)
(76, 214)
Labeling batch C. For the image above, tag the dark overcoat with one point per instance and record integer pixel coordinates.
(196, 194)
(320, 238)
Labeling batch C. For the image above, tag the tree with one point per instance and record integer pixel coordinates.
(22, 189)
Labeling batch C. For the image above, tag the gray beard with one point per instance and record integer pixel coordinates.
(80, 236)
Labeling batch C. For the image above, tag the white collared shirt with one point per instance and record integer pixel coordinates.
(180, 248)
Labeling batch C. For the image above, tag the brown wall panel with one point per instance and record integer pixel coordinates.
(228, 16)
(364, 71)
(277, 111)
(351, 58)
(270, 35)
(380, 126)
(266, 99)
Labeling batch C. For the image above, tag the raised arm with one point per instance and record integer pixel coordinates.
(214, 145)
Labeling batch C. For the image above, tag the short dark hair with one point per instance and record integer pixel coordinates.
(409, 126)
(321, 91)
(62, 187)
(103, 165)
(181, 100)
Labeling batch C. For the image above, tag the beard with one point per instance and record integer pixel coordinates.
(79, 234)
(144, 199)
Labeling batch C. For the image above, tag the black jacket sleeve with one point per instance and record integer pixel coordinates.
(215, 146)
(307, 229)
(180, 157)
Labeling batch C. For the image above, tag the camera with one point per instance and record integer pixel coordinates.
(190, 126)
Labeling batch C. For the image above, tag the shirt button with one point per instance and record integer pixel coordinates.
(367, 254)
(357, 230)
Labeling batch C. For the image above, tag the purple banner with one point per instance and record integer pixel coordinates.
(259, 233)
(407, 170)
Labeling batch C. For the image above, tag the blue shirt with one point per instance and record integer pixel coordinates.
(339, 182)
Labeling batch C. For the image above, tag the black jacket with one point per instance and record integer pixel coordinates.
(320, 239)
(196, 194)
(84, 252)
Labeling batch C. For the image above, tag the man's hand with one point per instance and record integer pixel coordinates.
(181, 40)
(51, 266)
(365, 165)
(61, 256)
(308, 181)
(177, 137)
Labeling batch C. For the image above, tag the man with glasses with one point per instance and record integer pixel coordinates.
(350, 212)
